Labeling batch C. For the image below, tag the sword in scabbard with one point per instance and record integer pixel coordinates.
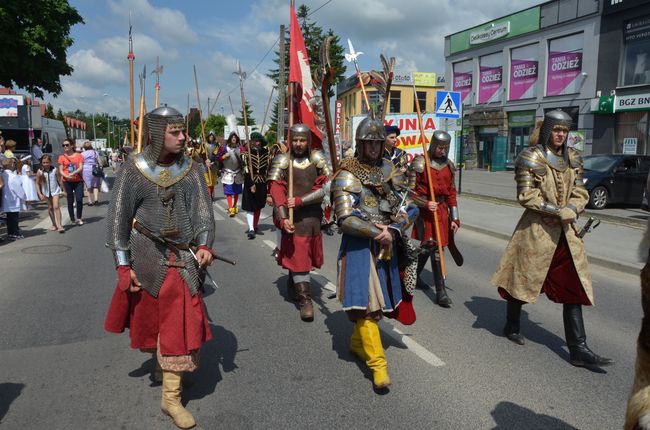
(589, 226)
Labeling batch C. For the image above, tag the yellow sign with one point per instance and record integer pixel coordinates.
(424, 79)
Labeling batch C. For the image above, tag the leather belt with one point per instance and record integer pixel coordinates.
(440, 199)
(177, 264)
(172, 246)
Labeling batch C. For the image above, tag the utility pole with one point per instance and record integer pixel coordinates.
(282, 94)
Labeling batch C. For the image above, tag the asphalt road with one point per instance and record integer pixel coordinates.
(267, 369)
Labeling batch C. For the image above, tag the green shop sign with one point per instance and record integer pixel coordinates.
(521, 119)
(502, 28)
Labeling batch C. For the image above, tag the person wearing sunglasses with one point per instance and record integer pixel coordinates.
(71, 164)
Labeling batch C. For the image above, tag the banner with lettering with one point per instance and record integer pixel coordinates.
(462, 80)
(564, 69)
(524, 72)
(491, 77)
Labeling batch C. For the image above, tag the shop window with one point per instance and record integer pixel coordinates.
(422, 99)
(632, 125)
(636, 53)
(395, 102)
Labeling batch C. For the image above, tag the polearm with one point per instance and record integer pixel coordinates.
(327, 72)
(427, 167)
(187, 118)
(242, 76)
(131, 58)
(141, 115)
(158, 71)
(351, 57)
(211, 108)
(266, 111)
(232, 109)
(198, 101)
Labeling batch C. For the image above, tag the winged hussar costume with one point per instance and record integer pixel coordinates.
(442, 176)
(160, 209)
(545, 253)
(301, 249)
(370, 202)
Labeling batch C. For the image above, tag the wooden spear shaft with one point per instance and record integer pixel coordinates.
(198, 101)
(427, 167)
(248, 141)
(289, 137)
(266, 111)
(131, 99)
(140, 121)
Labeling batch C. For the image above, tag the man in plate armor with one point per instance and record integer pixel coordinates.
(301, 245)
(229, 155)
(373, 211)
(255, 191)
(445, 206)
(545, 253)
(160, 229)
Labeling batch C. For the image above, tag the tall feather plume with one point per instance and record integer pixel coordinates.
(231, 121)
(382, 81)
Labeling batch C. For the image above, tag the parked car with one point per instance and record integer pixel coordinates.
(615, 178)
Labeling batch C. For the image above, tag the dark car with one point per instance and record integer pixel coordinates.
(615, 178)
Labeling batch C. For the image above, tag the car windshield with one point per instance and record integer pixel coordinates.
(599, 163)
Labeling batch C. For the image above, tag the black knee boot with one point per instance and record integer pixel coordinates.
(442, 298)
(513, 315)
(576, 339)
(423, 256)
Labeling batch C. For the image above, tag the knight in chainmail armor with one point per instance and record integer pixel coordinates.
(232, 175)
(373, 211)
(445, 206)
(545, 254)
(255, 191)
(301, 246)
(160, 214)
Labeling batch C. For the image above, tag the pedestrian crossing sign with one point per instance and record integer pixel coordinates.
(448, 104)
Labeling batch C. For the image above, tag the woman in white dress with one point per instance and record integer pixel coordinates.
(49, 189)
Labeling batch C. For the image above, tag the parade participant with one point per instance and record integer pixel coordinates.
(274, 150)
(373, 211)
(229, 155)
(255, 191)
(161, 213)
(442, 176)
(302, 242)
(397, 156)
(545, 253)
(212, 146)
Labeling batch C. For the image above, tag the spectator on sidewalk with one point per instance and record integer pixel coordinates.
(37, 153)
(71, 165)
(10, 146)
(28, 179)
(92, 182)
(13, 197)
(49, 189)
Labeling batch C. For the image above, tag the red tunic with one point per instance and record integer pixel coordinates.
(297, 253)
(445, 190)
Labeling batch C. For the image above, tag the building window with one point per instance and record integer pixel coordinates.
(632, 125)
(422, 99)
(373, 100)
(395, 102)
(636, 60)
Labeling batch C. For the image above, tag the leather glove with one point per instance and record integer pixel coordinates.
(567, 214)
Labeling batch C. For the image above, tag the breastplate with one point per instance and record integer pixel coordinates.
(232, 162)
(306, 218)
(374, 206)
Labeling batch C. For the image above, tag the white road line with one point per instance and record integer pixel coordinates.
(239, 221)
(269, 243)
(414, 347)
(218, 216)
(330, 287)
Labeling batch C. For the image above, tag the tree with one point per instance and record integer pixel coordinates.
(314, 37)
(215, 123)
(49, 111)
(249, 116)
(34, 41)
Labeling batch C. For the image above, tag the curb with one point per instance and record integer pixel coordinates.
(598, 261)
(612, 219)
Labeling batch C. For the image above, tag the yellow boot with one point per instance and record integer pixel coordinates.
(231, 212)
(171, 400)
(355, 342)
(374, 350)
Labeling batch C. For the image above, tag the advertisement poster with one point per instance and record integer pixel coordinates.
(462, 80)
(9, 105)
(491, 77)
(409, 138)
(524, 70)
(564, 70)
(576, 140)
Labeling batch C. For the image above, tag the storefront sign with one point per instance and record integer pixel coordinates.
(491, 78)
(632, 102)
(494, 31)
(563, 70)
(463, 83)
(9, 105)
(629, 145)
(637, 29)
(521, 119)
(421, 79)
(338, 114)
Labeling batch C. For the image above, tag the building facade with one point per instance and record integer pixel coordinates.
(514, 69)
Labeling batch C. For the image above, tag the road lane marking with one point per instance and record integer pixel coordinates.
(269, 243)
(414, 347)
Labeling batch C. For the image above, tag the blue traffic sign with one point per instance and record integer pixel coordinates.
(448, 104)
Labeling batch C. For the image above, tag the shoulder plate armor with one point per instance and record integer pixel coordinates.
(279, 165)
(346, 181)
(418, 164)
(344, 185)
(164, 176)
(317, 157)
(531, 159)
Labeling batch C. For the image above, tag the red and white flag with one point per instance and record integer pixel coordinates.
(300, 73)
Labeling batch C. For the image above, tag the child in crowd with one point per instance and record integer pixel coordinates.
(49, 188)
(13, 198)
(28, 179)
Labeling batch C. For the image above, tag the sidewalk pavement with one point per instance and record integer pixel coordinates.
(501, 186)
(610, 245)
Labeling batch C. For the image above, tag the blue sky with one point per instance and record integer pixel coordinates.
(213, 35)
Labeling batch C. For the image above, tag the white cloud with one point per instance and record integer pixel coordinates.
(88, 67)
(145, 48)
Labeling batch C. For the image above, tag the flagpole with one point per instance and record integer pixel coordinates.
(131, 58)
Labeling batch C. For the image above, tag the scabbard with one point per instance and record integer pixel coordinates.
(453, 250)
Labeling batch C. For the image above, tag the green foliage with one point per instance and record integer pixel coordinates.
(215, 123)
(49, 111)
(249, 116)
(35, 37)
(195, 121)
